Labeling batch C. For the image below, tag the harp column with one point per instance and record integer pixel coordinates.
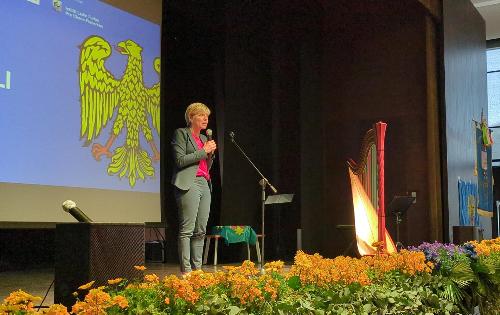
(381, 127)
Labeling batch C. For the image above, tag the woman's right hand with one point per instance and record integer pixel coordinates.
(210, 146)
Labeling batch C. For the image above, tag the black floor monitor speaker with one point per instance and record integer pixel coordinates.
(95, 251)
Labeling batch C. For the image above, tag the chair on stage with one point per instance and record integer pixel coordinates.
(367, 184)
(232, 234)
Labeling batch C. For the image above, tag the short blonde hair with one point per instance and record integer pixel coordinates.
(195, 109)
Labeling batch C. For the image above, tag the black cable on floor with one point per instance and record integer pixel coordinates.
(46, 293)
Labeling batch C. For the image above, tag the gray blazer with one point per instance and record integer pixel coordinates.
(186, 158)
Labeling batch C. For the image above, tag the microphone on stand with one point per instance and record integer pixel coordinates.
(272, 187)
(263, 183)
(264, 180)
(70, 207)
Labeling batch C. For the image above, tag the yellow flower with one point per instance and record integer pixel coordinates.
(146, 285)
(486, 247)
(97, 296)
(115, 281)
(408, 262)
(274, 266)
(121, 301)
(140, 268)
(199, 279)
(271, 286)
(57, 309)
(182, 289)
(86, 286)
(21, 300)
(78, 307)
(314, 269)
(95, 302)
(152, 278)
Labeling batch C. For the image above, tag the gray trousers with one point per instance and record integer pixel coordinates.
(194, 208)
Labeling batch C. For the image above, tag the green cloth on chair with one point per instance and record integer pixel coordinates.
(236, 233)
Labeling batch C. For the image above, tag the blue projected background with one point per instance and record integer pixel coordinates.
(40, 97)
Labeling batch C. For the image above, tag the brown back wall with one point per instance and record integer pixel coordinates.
(373, 68)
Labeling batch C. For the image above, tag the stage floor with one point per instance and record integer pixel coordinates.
(37, 281)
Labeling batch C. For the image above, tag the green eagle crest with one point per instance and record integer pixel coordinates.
(101, 94)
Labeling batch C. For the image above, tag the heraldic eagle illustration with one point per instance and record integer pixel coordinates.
(101, 93)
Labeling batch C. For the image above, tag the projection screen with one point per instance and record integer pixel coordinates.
(79, 112)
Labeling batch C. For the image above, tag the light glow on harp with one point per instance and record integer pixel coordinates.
(366, 220)
(367, 184)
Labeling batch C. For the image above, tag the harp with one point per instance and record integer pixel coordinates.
(367, 184)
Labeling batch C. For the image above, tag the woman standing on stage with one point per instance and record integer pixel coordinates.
(191, 178)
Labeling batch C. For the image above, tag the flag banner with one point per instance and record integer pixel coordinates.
(467, 195)
(484, 175)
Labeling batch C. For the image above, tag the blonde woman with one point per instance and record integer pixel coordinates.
(191, 179)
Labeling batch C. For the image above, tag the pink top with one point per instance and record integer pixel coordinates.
(203, 166)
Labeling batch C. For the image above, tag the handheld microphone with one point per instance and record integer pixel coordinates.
(231, 135)
(70, 207)
(209, 138)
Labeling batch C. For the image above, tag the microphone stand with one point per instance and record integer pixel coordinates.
(262, 183)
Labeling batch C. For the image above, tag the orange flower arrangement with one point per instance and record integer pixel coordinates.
(486, 247)
(271, 286)
(409, 262)
(274, 266)
(181, 288)
(199, 279)
(57, 309)
(247, 268)
(244, 288)
(348, 270)
(314, 269)
(243, 282)
(95, 302)
(19, 301)
(152, 278)
(121, 301)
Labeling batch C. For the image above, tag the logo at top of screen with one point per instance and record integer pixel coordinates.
(57, 5)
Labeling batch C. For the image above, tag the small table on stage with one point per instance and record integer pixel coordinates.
(232, 234)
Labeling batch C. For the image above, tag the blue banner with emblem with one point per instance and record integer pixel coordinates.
(484, 171)
(467, 202)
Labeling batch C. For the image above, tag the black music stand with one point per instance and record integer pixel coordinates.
(272, 199)
(283, 198)
(398, 206)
